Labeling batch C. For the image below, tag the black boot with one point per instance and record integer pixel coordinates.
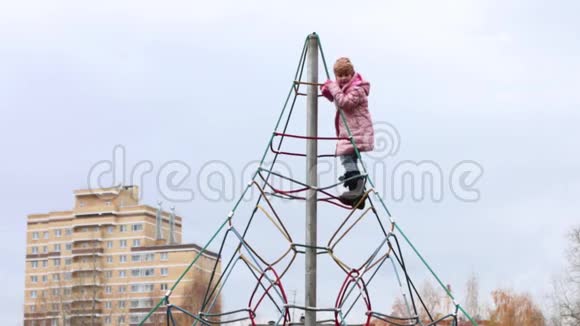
(353, 196)
(350, 184)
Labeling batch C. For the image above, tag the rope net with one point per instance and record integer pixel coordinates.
(263, 272)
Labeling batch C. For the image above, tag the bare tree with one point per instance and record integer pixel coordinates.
(87, 287)
(472, 296)
(567, 288)
(60, 295)
(399, 309)
(192, 300)
(433, 300)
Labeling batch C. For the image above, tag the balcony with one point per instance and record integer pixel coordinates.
(76, 301)
(38, 315)
(87, 284)
(87, 252)
(97, 209)
(86, 267)
(85, 311)
(87, 236)
(86, 314)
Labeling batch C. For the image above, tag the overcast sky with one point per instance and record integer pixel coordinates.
(495, 82)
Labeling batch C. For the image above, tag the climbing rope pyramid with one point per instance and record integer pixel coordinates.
(264, 266)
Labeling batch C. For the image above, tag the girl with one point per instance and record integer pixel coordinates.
(350, 92)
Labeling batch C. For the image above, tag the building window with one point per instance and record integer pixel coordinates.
(108, 320)
(56, 292)
(45, 263)
(32, 308)
(123, 228)
(68, 231)
(108, 203)
(142, 272)
(110, 229)
(122, 289)
(123, 243)
(56, 262)
(122, 274)
(55, 277)
(142, 287)
(163, 286)
(123, 258)
(109, 259)
(109, 244)
(108, 290)
(68, 246)
(34, 250)
(34, 279)
(164, 271)
(136, 258)
(46, 235)
(33, 294)
(58, 233)
(45, 249)
(35, 236)
(108, 305)
(121, 320)
(136, 242)
(108, 274)
(57, 247)
(68, 276)
(44, 278)
(67, 291)
(164, 256)
(68, 261)
(137, 227)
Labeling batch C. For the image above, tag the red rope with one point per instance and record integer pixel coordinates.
(286, 192)
(350, 278)
(277, 283)
(295, 154)
(310, 137)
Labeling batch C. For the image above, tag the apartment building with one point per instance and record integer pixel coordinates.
(108, 261)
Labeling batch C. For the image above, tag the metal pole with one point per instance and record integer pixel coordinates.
(311, 178)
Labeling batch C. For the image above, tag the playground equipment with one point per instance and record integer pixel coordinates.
(270, 274)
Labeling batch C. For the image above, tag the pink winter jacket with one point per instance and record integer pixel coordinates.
(352, 99)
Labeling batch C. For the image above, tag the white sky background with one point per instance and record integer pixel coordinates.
(488, 81)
